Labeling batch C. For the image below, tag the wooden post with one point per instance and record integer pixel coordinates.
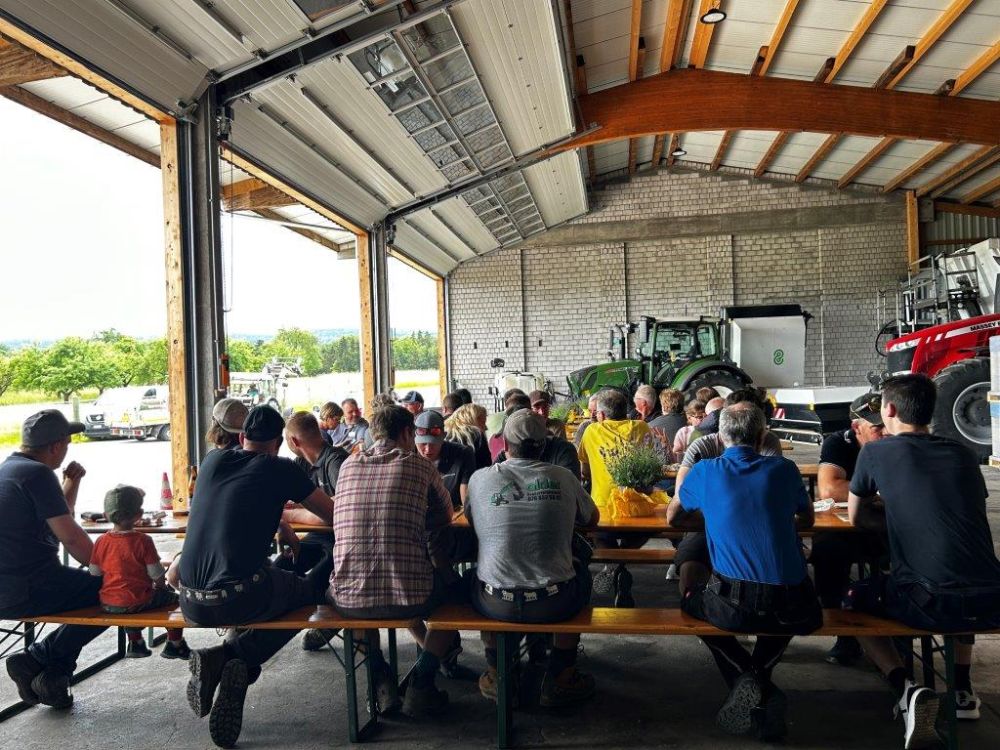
(442, 339)
(176, 344)
(912, 228)
(367, 324)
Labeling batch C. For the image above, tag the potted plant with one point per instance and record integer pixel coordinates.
(635, 468)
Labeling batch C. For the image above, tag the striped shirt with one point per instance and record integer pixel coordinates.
(387, 500)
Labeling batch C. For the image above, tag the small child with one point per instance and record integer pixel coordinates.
(695, 413)
(133, 576)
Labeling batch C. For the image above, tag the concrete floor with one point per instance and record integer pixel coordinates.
(652, 692)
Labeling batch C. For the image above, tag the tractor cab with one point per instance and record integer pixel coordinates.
(666, 347)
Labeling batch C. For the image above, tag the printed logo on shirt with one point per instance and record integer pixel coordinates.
(539, 490)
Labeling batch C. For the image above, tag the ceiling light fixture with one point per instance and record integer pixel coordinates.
(715, 15)
(678, 153)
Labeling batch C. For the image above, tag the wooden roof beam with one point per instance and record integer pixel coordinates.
(982, 191)
(902, 60)
(821, 153)
(636, 60)
(865, 162)
(944, 22)
(21, 65)
(674, 28)
(253, 194)
(301, 231)
(918, 166)
(954, 173)
(36, 103)
(854, 39)
(703, 35)
(956, 208)
(579, 81)
(685, 100)
(633, 144)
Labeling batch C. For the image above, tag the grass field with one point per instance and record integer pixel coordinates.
(12, 397)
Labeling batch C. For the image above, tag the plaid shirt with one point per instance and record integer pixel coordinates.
(387, 500)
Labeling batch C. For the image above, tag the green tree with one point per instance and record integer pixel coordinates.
(245, 357)
(126, 354)
(342, 354)
(8, 373)
(28, 364)
(152, 363)
(72, 364)
(417, 351)
(298, 344)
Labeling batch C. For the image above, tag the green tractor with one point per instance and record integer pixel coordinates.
(761, 344)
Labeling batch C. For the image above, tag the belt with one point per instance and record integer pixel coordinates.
(528, 595)
(214, 597)
(758, 595)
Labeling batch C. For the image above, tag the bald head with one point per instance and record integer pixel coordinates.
(714, 404)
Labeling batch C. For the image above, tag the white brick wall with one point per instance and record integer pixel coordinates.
(570, 295)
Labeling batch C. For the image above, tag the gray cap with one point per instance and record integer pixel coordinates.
(524, 426)
(428, 427)
(124, 501)
(46, 427)
(230, 413)
(868, 407)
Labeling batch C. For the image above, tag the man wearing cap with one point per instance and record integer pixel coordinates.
(228, 417)
(523, 512)
(833, 554)
(454, 462)
(413, 402)
(37, 517)
(225, 574)
(541, 402)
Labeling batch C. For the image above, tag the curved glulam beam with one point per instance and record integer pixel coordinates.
(681, 101)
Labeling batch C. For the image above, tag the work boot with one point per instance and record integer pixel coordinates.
(424, 701)
(386, 691)
(845, 651)
(206, 666)
(449, 662)
(137, 650)
(226, 718)
(52, 689)
(488, 683)
(569, 687)
(623, 589)
(736, 714)
(23, 668)
(176, 650)
(317, 638)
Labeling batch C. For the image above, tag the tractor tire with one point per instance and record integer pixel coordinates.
(164, 433)
(962, 412)
(723, 381)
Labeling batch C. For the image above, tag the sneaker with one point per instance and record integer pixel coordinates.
(919, 708)
(571, 686)
(52, 689)
(672, 574)
(137, 650)
(845, 652)
(967, 705)
(736, 714)
(176, 650)
(206, 666)
(387, 691)
(603, 581)
(226, 718)
(623, 589)
(317, 638)
(449, 664)
(424, 701)
(23, 668)
(488, 684)
(769, 718)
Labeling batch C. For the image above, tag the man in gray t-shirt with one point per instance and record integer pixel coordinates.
(523, 512)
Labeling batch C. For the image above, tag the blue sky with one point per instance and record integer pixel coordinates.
(82, 249)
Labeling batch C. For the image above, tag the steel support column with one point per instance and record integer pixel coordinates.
(204, 324)
(378, 249)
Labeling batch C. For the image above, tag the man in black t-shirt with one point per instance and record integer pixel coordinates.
(944, 576)
(225, 573)
(833, 553)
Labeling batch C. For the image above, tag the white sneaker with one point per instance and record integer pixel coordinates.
(967, 705)
(672, 574)
(919, 708)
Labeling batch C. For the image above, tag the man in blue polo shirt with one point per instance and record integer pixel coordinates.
(752, 505)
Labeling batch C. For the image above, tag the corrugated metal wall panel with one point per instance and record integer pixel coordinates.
(514, 47)
(99, 33)
(959, 227)
(197, 31)
(269, 144)
(465, 222)
(446, 240)
(426, 253)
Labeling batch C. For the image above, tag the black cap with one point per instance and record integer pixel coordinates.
(263, 424)
(869, 408)
(413, 397)
(46, 427)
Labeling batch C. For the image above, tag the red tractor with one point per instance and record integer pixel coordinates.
(957, 356)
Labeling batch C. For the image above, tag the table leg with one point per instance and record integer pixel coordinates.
(927, 657)
(352, 686)
(950, 717)
(504, 718)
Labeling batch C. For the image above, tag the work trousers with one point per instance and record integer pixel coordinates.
(56, 588)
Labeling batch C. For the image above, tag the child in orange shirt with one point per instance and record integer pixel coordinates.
(133, 576)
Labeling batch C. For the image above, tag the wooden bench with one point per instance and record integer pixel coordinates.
(668, 622)
(324, 617)
(639, 556)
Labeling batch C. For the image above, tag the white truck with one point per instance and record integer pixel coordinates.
(143, 412)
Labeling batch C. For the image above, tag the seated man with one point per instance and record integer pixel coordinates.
(834, 553)
(453, 461)
(357, 426)
(322, 462)
(751, 505)
(225, 575)
(523, 511)
(388, 499)
(944, 576)
(692, 559)
(331, 422)
(646, 403)
(592, 410)
(37, 517)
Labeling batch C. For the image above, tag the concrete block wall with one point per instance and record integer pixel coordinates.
(757, 242)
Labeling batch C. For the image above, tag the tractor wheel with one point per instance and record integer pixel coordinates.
(721, 380)
(962, 412)
(164, 433)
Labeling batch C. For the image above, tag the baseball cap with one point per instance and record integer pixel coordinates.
(524, 426)
(539, 397)
(263, 424)
(124, 501)
(230, 413)
(868, 407)
(46, 427)
(428, 427)
(411, 398)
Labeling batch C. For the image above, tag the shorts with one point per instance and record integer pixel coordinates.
(693, 548)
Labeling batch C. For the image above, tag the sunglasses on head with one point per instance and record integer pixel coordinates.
(433, 431)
